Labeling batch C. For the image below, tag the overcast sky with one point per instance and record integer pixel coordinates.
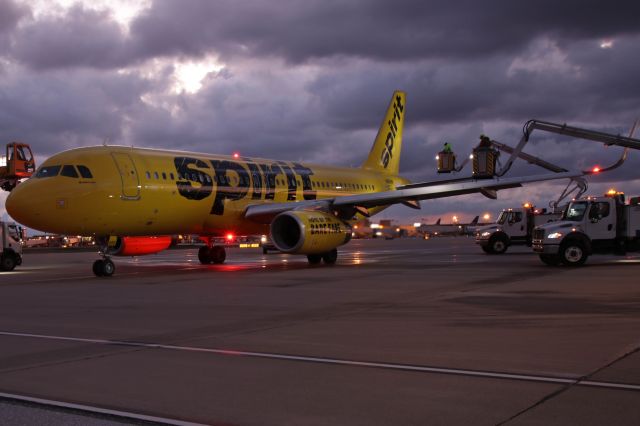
(310, 80)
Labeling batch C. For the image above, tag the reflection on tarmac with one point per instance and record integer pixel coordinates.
(395, 333)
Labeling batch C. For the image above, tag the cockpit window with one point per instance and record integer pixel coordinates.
(48, 171)
(85, 172)
(69, 171)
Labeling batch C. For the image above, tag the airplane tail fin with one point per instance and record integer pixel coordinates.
(438, 221)
(385, 153)
(475, 221)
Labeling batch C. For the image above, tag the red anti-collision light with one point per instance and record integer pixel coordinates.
(230, 237)
(596, 169)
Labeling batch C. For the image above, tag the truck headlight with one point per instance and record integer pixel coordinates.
(263, 239)
(485, 234)
(554, 235)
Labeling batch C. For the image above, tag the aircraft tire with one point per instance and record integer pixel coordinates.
(7, 262)
(330, 257)
(108, 268)
(97, 268)
(314, 259)
(218, 254)
(204, 255)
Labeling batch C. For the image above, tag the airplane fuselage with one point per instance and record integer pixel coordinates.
(114, 190)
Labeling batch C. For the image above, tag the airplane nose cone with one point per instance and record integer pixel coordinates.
(21, 205)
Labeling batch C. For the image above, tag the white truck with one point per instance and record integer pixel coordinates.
(11, 249)
(513, 227)
(590, 225)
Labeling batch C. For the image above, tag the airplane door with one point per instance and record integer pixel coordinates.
(128, 175)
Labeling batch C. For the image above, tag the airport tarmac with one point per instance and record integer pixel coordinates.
(401, 332)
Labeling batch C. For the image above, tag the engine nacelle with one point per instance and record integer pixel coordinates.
(137, 246)
(308, 232)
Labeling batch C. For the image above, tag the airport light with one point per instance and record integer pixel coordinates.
(486, 216)
(455, 219)
(236, 155)
(417, 225)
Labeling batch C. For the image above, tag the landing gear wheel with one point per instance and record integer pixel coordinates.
(498, 245)
(314, 259)
(97, 268)
(330, 257)
(573, 253)
(7, 262)
(204, 255)
(108, 268)
(550, 259)
(103, 268)
(217, 254)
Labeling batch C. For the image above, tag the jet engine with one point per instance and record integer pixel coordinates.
(137, 246)
(308, 232)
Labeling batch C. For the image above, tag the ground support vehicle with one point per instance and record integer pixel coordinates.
(513, 227)
(11, 249)
(15, 165)
(590, 225)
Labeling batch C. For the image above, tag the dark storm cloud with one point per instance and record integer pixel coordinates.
(10, 14)
(66, 109)
(79, 38)
(379, 29)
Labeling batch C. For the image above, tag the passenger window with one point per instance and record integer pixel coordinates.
(171, 176)
(164, 176)
(148, 175)
(69, 171)
(155, 175)
(48, 171)
(85, 172)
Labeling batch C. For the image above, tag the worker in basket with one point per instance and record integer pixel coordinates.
(484, 159)
(446, 159)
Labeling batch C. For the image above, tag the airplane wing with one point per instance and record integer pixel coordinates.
(264, 213)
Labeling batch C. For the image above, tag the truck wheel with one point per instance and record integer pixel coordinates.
(550, 259)
(486, 249)
(498, 245)
(573, 253)
(7, 262)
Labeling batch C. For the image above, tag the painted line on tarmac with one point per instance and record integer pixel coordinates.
(575, 380)
(97, 410)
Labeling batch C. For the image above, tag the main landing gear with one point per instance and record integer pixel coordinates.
(103, 267)
(215, 254)
(329, 257)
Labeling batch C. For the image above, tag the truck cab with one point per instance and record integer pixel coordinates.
(513, 227)
(589, 225)
(11, 249)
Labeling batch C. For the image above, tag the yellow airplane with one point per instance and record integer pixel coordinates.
(133, 199)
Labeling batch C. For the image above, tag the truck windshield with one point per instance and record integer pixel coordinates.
(502, 218)
(575, 211)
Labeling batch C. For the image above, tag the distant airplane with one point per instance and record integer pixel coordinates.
(447, 229)
(133, 199)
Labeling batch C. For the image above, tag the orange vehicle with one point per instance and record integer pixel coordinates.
(17, 164)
